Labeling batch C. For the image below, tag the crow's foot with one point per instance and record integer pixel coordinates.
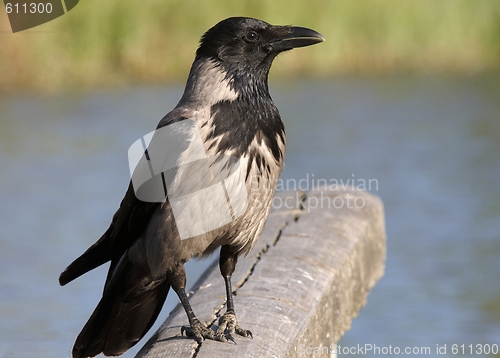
(228, 325)
(200, 332)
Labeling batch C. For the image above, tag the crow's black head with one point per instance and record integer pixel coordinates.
(251, 44)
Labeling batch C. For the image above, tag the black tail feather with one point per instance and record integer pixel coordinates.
(95, 256)
(129, 307)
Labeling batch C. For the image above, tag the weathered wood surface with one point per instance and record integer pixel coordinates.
(303, 283)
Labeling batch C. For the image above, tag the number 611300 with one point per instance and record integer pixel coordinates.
(31, 8)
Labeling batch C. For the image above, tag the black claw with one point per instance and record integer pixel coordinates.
(229, 337)
(243, 332)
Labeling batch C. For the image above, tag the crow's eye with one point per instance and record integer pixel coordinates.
(252, 37)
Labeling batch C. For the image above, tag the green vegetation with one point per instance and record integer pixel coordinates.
(111, 43)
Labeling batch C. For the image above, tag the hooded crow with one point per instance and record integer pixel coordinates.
(227, 115)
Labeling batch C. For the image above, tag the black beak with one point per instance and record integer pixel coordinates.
(289, 37)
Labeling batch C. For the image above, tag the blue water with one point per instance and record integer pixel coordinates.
(431, 147)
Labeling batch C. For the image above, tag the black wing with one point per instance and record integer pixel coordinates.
(128, 223)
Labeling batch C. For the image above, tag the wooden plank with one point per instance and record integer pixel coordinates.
(303, 283)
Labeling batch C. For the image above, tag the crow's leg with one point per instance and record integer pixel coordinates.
(228, 324)
(195, 329)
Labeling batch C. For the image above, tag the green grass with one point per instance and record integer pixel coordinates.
(112, 43)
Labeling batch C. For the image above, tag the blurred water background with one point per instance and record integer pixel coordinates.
(405, 95)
